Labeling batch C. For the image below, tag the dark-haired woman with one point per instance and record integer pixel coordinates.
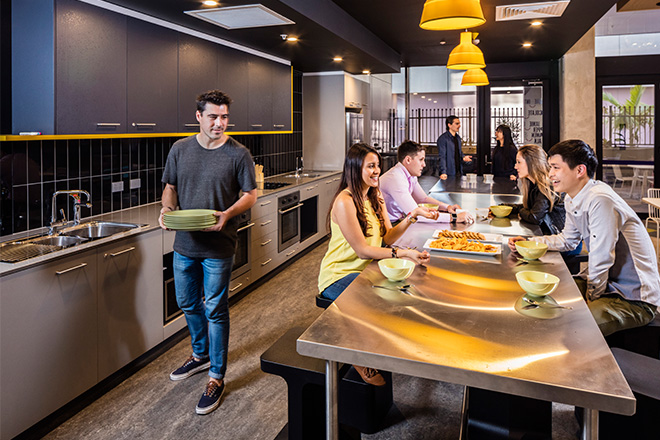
(359, 226)
(504, 154)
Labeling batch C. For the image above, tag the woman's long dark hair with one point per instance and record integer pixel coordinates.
(351, 179)
(507, 146)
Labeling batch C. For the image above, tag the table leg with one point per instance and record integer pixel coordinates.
(590, 428)
(331, 413)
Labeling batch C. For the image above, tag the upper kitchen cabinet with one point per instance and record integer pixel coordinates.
(232, 79)
(90, 74)
(152, 78)
(260, 94)
(198, 72)
(282, 96)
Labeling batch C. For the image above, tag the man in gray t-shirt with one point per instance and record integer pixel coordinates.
(207, 171)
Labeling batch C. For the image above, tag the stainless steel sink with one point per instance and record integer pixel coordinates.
(93, 230)
(303, 175)
(58, 240)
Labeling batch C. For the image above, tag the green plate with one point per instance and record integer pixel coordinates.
(189, 213)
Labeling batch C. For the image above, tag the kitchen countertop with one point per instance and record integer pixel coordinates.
(146, 216)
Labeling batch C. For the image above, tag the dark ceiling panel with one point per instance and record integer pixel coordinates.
(380, 35)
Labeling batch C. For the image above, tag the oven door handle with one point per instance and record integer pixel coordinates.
(248, 226)
(290, 209)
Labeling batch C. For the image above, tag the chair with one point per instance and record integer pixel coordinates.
(654, 216)
(619, 177)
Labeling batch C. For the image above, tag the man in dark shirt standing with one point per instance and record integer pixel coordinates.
(450, 155)
(207, 171)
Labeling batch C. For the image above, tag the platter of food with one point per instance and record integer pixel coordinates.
(462, 245)
(470, 235)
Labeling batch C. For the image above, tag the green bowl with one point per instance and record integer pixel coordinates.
(501, 210)
(531, 250)
(537, 283)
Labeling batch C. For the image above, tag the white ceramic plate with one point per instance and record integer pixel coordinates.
(490, 238)
(428, 247)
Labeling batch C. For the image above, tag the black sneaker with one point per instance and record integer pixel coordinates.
(190, 367)
(211, 397)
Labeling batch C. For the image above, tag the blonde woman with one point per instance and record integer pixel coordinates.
(541, 204)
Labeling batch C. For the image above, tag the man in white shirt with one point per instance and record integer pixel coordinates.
(402, 192)
(622, 287)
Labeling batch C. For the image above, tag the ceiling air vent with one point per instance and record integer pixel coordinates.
(527, 11)
(241, 17)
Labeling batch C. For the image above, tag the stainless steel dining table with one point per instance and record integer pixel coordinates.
(463, 321)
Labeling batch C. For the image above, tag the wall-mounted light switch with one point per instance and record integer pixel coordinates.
(135, 183)
(117, 186)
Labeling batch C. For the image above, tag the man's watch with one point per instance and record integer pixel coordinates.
(454, 218)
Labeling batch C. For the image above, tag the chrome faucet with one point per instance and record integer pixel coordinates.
(299, 167)
(75, 194)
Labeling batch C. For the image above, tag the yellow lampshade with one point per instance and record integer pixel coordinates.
(444, 15)
(466, 55)
(474, 77)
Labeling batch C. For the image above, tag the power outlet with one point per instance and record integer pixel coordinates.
(117, 186)
(135, 183)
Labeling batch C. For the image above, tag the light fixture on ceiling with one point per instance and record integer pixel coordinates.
(241, 17)
(415, 93)
(527, 45)
(291, 39)
(466, 55)
(210, 3)
(537, 23)
(474, 77)
(366, 72)
(337, 59)
(445, 15)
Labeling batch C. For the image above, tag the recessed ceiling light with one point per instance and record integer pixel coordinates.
(337, 59)
(443, 42)
(415, 93)
(366, 72)
(210, 3)
(537, 23)
(423, 97)
(292, 39)
(527, 44)
(430, 99)
(435, 102)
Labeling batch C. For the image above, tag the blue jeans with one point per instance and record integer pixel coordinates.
(336, 288)
(208, 320)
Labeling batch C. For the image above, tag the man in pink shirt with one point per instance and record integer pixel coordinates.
(402, 191)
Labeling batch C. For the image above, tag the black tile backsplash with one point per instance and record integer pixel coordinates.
(30, 171)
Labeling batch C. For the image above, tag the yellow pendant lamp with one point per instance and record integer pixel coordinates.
(466, 55)
(474, 77)
(444, 15)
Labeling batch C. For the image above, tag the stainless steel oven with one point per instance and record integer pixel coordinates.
(170, 307)
(242, 258)
(288, 220)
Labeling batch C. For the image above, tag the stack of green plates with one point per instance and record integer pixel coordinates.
(189, 219)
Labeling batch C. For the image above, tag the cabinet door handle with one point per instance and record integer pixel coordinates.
(311, 188)
(229, 125)
(62, 272)
(256, 125)
(266, 242)
(291, 253)
(236, 287)
(108, 124)
(116, 254)
(191, 125)
(266, 203)
(328, 182)
(278, 125)
(336, 179)
(143, 124)
(248, 226)
(266, 262)
(266, 222)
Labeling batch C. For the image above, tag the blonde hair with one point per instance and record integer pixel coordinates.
(538, 169)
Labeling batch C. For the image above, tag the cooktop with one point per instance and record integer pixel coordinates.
(275, 185)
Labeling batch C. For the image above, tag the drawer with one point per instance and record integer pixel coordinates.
(261, 266)
(290, 252)
(265, 245)
(240, 283)
(264, 206)
(264, 226)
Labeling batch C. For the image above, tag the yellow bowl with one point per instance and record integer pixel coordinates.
(396, 269)
(501, 210)
(431, 206)
(531, 250)
(537, 283)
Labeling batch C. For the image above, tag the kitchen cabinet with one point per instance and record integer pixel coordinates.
(48, 339)
(233, 80)
(90, 66)
(282, 95)
(260, 95)
(130, 305)
(152, 53)
(198, 72)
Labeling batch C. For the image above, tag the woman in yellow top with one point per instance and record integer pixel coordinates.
(359, 224)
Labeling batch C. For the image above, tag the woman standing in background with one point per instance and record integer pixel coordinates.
(504, 154)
